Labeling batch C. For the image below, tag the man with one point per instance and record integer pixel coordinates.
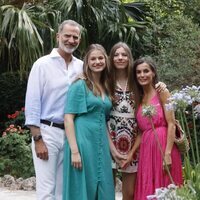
(48, 83)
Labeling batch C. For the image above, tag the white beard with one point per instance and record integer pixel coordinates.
(66, 49)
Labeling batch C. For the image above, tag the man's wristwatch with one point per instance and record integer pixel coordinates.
(37, 137)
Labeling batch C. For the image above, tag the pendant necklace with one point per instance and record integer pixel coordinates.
(123, 90)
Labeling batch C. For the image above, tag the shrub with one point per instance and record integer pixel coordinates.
(12, 95)
(17, 118)
(178, 58)
(15, 148)
(191, 189)
(174, 42)
(15, 152)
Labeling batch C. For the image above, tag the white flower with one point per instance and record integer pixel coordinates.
(149, 197)
(168, 193)
(148, 110)
(172, 186)
(193, 92)
(179, 100)
(197, 111)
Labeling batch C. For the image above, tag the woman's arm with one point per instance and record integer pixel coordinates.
(71, 137)
(170, 118)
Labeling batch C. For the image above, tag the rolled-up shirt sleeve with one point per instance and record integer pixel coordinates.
(33, 96)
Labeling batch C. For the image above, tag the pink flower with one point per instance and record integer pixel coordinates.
(17, 113)
(13, 116)
(8, 129)
(9, 116)
(12, 126)
(4, 134)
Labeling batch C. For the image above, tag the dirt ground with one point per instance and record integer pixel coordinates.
(6, 194)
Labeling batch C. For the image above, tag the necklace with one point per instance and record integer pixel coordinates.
(123, 89)
(124, 106)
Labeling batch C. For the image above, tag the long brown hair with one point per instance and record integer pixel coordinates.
(137, 87)
(129, 67)
(104, 80)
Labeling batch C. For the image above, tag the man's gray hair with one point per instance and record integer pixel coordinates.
(69, 22)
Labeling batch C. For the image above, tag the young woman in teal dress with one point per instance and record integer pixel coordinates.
(87, 160)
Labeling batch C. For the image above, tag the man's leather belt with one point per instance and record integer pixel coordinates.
(49, 123)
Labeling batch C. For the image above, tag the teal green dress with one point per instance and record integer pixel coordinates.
(94, 181)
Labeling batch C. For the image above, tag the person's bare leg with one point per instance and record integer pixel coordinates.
(128, 185)
(114, 176)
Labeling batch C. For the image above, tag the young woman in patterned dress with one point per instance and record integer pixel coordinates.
(122, 124)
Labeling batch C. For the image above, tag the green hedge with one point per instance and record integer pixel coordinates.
(12, 94)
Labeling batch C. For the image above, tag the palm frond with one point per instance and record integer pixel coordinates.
(23, 31)
(136, 10)
(24, 44)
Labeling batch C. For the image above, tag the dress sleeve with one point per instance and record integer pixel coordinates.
(76, 102)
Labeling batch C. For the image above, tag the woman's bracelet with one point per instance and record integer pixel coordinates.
(75, 152)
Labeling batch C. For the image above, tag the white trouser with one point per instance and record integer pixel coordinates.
(49, 174)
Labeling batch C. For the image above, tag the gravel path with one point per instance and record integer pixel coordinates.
(6, 194)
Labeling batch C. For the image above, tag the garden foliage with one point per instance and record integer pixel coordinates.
(178, 53)
(174, 43)
(12, 94)
(15, 148)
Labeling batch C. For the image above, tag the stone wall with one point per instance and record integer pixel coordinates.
(11, 183)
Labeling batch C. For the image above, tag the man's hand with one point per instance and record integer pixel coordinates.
(40, 147)
(41, 150)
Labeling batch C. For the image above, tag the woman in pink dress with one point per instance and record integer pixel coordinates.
(151, 172)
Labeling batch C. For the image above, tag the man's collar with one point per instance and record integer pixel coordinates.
(54, 53)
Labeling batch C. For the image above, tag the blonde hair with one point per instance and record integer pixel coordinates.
(104, 80)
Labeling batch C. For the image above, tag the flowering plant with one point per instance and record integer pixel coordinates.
(17, 118)
(15, 125)
(15, 148)
(166, 193)
(16, 114)
(13, 129)
(186, 103)
(149, 111)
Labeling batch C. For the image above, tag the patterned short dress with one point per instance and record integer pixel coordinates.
(123, 127)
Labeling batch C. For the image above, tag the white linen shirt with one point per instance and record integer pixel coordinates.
(48, 83)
